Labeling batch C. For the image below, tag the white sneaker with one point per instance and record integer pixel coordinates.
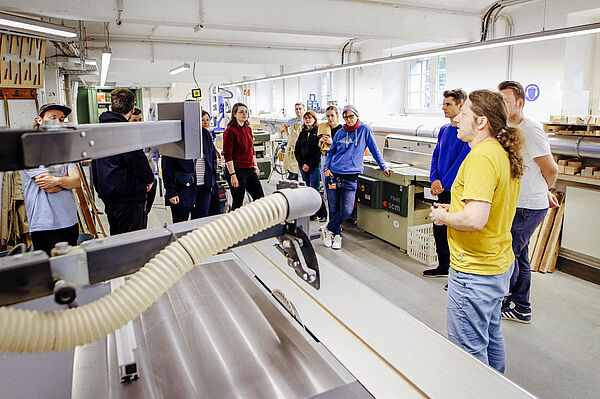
(326, 236)
(337, 242)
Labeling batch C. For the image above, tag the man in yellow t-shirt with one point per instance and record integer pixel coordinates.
(479, 219)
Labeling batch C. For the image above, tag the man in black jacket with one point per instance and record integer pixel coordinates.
(123, 180)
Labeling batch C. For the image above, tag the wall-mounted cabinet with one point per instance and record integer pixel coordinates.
(93, 101)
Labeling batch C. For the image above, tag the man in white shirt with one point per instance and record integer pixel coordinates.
(534, 199)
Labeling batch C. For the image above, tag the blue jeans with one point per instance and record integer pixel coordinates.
(341, 203)
(311, 178)
(473, 314)
(292, 176)
(524, 224)
(324, 181)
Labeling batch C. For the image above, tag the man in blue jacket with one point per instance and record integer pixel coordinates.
(447, 157)
(123, 180)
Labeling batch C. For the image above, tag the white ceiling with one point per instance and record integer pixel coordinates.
(233, 39)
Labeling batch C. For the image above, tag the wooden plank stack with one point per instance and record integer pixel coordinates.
(545, 241)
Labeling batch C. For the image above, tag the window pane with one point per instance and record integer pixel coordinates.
(442, 63)
(422, 83)
(415, 83)
(415, 66)
(441, 88)
(414, 100)
(419, 66)
(441, 83)
(440, 100)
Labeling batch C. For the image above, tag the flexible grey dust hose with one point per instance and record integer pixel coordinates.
(36, 331)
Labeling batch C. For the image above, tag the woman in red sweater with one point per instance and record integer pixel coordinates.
(241, 170)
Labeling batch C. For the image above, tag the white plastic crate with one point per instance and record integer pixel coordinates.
(421, 244)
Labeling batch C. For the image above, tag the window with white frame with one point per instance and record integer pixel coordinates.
(426, 83)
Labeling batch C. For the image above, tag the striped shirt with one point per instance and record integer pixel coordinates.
(200, 167)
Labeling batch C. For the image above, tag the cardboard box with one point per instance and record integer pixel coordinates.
(572, 119)
(589, 171)
(562, 162)
(561, 168)
(597, 174)
(254, 123)
(576, 164)
(558, 119)
(572, 170)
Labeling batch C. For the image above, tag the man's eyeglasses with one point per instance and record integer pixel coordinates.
(349, 116)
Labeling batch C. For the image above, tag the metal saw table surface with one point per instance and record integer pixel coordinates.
(215, 333)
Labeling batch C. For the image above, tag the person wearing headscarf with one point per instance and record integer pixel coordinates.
(343, 164)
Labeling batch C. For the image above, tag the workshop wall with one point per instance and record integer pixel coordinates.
(379, 91)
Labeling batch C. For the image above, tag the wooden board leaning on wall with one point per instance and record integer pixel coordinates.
(545, 241)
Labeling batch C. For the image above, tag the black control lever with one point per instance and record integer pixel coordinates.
(295, 245)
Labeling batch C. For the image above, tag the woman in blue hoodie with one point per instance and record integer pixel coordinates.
(343, 165)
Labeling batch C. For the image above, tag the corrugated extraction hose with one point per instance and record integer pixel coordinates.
(35, 331)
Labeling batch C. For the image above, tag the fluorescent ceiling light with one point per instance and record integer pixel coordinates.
(183, 67)
(32, 25)
(458, 48)
(106, 54)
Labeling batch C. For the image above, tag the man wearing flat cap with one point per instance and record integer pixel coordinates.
(49, 201)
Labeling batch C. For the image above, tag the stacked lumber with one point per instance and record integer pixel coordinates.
(545, 241)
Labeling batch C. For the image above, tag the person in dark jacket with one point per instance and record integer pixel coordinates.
(136, 116)
(123, 180)
(215, 206)
(308, 155)
(241, 170)
(190, 183)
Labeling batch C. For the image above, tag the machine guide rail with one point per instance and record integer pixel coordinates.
(32, 275)
(177, 134)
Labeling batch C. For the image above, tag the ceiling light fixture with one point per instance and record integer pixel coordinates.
(106, 55)
(183, 67)
(454, 49)
(33, 25)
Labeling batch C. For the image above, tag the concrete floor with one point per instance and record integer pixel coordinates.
(556, 356)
